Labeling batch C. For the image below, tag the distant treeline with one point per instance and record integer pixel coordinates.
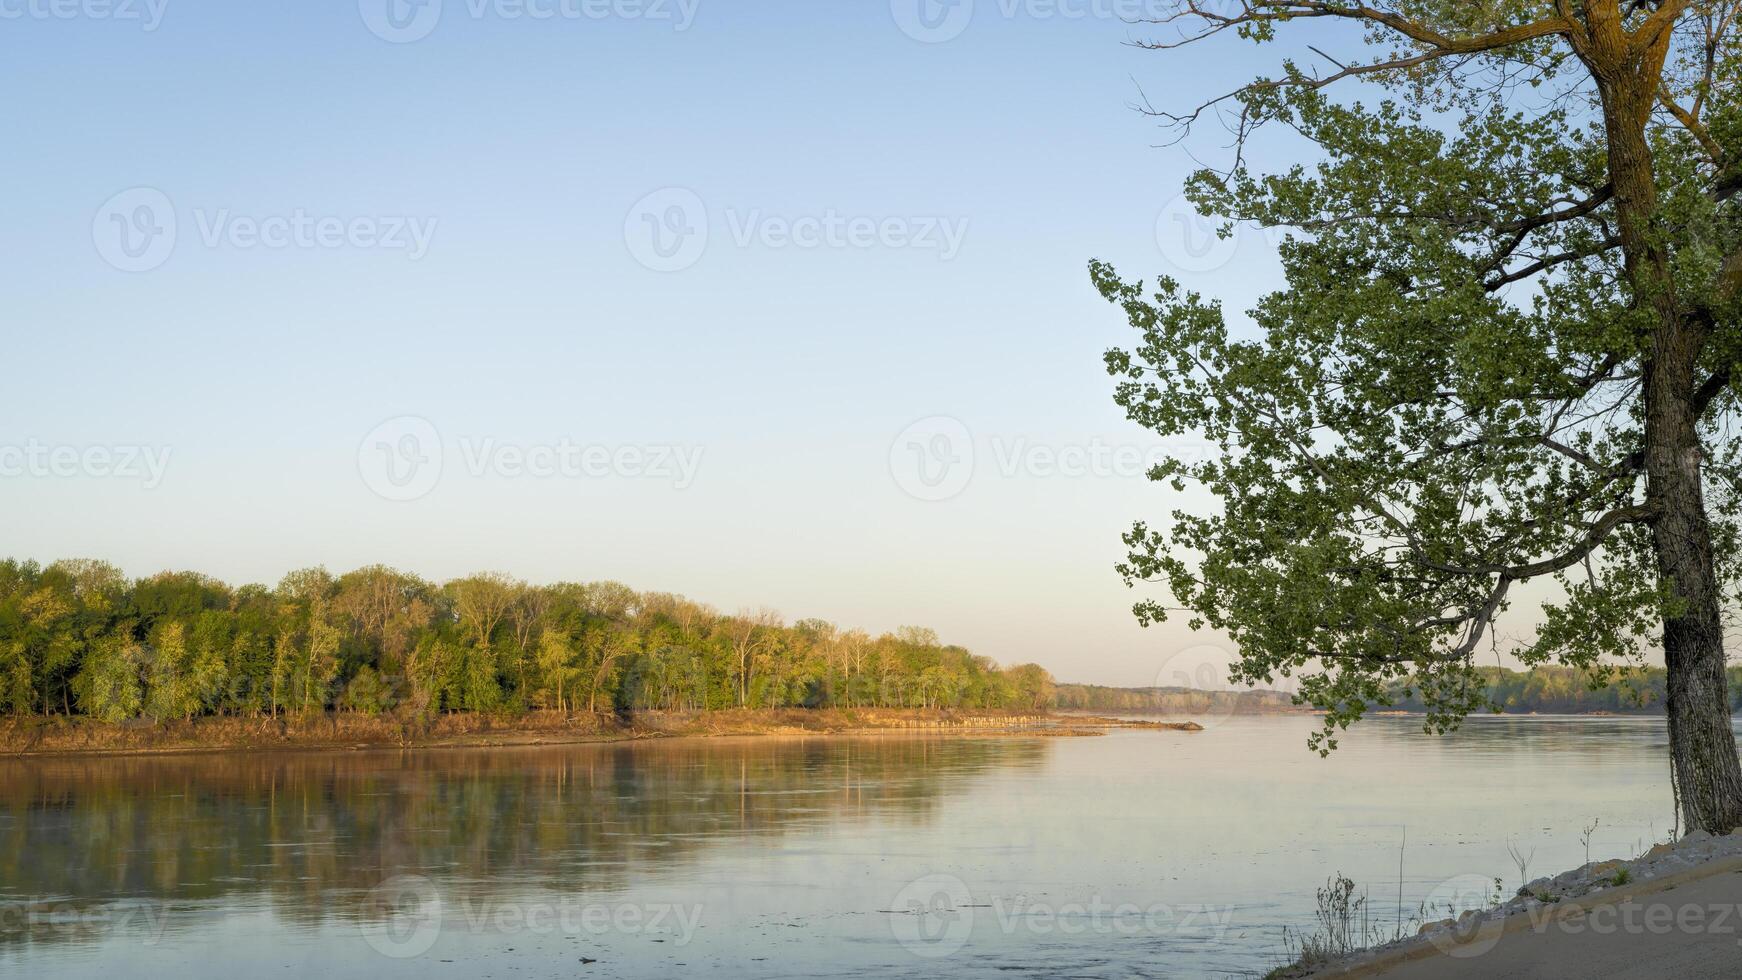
(80, 638)
(1568, 690)
(1166, 700)
(1542, 690)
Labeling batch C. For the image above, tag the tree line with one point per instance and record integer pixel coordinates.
(1540, 690)
(1570, 690)
(79, 637)
(1169, 700)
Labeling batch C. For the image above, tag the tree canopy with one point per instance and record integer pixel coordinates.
(1505, 352)
(78, 637)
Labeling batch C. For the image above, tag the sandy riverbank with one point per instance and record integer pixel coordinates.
(1674, 911)
(63, 736)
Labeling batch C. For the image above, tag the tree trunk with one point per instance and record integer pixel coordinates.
(1704, 763)
(1708, 777)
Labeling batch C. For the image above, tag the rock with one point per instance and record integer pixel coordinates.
(1659, 851)
(1695, 836)
(1428, 927)
(1469, 918)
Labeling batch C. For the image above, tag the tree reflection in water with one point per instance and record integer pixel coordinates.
(307, 835)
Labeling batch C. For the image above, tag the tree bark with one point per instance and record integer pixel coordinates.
(1705, 767)
(1708, 777)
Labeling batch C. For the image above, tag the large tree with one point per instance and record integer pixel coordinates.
(1506, 352)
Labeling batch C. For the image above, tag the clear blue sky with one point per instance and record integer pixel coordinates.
(523, 146)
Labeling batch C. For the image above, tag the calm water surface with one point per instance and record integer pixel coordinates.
(1137, 854)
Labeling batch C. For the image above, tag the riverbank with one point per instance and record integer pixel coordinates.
(59, 735)
(1675, 910)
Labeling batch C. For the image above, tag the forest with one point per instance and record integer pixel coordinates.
(80, 638)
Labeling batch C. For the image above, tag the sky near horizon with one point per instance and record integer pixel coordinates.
(772, 304)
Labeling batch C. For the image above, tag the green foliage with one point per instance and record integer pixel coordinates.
(172, 689)
(366, 694)
(108, 682)
(76, 636)
(1486, 270)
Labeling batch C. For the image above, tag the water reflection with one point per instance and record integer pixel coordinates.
(801, 857)
(307, 835)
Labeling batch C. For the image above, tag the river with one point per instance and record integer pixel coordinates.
(1134, 854)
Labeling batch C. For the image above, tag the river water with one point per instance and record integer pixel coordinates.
(1135, 854)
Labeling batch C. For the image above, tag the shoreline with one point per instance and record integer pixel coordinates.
(61, 737)
(1553, 924)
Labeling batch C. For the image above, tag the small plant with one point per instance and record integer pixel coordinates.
(1338, 909)
(1622, 877)
(1343, 929)
(1585, 838)
(1522, 860)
